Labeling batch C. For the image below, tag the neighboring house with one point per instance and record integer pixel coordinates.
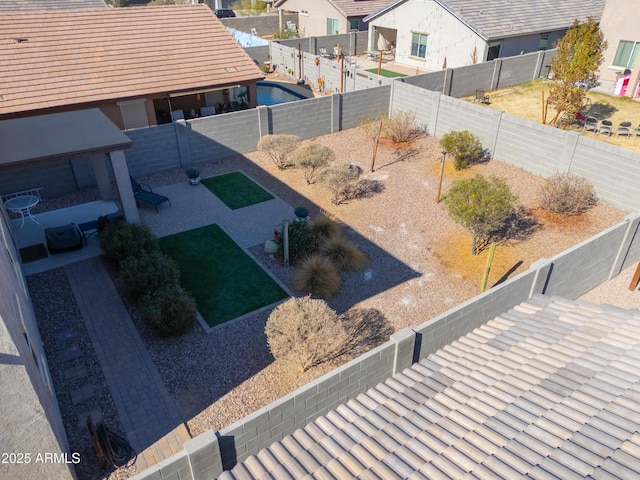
(137, 65)
(619, 24)
(331, 17)
(22, 5)
(546, 390)
(426, 34)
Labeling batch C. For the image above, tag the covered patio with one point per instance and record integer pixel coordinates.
(83, 133)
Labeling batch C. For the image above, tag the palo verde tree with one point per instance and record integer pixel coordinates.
(481, 206)
(579, 55)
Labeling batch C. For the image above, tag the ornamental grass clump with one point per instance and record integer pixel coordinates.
(567, 194)
(323, 228)
(318, 276)
(344, 254)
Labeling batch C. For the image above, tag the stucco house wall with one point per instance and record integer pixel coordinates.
(620, 21)
(32, 423)
(313, 23)
(447, 36)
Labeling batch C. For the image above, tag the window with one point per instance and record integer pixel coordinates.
(332, 26)
(304, 12)
(494, 50)
(543, 41)
(354, 25)
(419, 45)
(626, 54)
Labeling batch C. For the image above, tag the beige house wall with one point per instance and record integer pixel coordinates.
(620, 21)
(314, 24)
(31, 423)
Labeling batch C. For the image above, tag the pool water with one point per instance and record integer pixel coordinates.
(273, 94)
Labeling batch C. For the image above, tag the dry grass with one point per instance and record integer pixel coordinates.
(526, 101)
(344, 254)
(318, 276)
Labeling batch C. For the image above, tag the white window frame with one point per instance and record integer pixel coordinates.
(420, 35)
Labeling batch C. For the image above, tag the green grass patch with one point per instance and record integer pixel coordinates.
(236, 190)
(224, 281)
(386, 73)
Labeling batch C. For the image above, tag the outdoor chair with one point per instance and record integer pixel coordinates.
(324, 53)
(606, 128)
(590, 125)
(636, 133)
(624, 130)
(144, 193)
(207, 111)
(482, 97)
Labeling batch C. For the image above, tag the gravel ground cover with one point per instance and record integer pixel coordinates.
(420, 266)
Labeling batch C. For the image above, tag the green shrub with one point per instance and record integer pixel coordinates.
(169, 311)
(122, 240)
(465, 148)
(148, 272)
(301, 241)
(344, 254)
(481, 206)
(318, 276)
(401, 127)
(323, 228)
(279, 147)
(303, 333)
(567, 194)
(311, 159)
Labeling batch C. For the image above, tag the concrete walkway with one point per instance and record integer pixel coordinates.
(150, 417)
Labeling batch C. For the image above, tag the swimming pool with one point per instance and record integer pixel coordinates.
(270, 93)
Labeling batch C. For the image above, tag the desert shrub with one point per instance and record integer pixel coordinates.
(122, 240)
(567, 194)
(401, 127)
(304, 332)
(168, 310)
(311, 159)
(301, 241)
(279, 147)
(323, 228)
(148, 272)
(344, 254)
(363, 188)
(318, 276)
(480, 205)
(464, 146)
(339, 181)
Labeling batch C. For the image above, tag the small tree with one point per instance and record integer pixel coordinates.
(567, 194)
(373, 126)
(578, 57)
(465, 147)
(305, 333)
(279, 147)
(481, 206)
(311, 159)
(339, 181)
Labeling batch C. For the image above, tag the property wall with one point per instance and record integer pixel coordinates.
(31, 422)
(264, 24)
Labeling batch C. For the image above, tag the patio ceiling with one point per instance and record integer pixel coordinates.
(66, 134)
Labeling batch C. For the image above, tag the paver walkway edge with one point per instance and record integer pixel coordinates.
(145, 407)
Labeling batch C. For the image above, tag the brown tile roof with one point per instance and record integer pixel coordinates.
(64, 57)
(550, 389)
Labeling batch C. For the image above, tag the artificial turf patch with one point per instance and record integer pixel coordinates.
(236, 190)
(385, 73)
(224, 281)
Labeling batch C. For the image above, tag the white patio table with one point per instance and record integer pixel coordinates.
(23, 204)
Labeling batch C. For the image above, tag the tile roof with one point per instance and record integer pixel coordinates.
(507, 18)
(62, 57)
(22, 5)
(358, 8)
(550, 389)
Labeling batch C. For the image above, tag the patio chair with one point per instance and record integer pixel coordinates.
(482, 97)
(144, 193)
(590, 125)
(207, 111)
(624, 130)
(606, 128)
(636, 133)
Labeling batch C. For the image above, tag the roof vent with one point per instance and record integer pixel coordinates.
(20, 40)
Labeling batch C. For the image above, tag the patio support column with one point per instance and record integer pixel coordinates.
(102, 176)
(121, 174)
